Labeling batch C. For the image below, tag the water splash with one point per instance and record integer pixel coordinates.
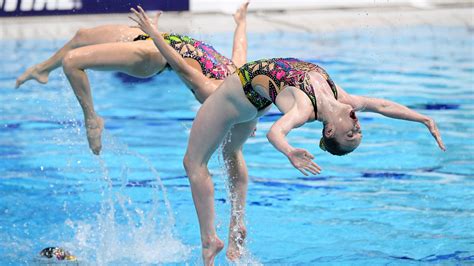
(141, 238)
(123, 231)
(237, 210)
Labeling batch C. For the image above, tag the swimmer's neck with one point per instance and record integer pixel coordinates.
(328, 106)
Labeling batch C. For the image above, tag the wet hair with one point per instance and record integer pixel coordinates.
(332, 146)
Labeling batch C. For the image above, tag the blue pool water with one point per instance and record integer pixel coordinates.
(396, 199)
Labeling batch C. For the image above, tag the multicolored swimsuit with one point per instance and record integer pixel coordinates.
(213, 64)
(282, 72)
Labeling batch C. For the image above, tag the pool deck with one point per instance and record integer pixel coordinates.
(305, 21)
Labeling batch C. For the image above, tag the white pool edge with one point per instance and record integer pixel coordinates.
(305, 21)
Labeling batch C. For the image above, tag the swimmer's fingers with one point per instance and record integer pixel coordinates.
(438, 139)
(143, 13)
(302, 171)
(435, 133)
(301, 159)
(440, 142)
(143, 21)
(141, 10)
(315, 169)
(441, 145)
(142, 17)
(134, 11)
(139, 24)
(315, 165)
(309, 166)
(157, 16)
(136, 21)
(147, 20)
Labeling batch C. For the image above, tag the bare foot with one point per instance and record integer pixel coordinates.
(241, 13)
(35, 73)
(237, 236)
(94, 129)
(210, 249)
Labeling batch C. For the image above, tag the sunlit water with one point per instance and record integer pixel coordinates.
(397, 199)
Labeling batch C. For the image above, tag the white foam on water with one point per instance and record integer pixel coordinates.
(107, 242)
(123, 233)
(143, 238)
(247, 259)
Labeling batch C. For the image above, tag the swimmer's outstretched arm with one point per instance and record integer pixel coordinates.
(239, 51)
(394, 110)
(298, 115)
(148, 26)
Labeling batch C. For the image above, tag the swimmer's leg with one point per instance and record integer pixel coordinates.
(83, 37)
(140, 59)
(238, 181)
(215, 118)
(239, 51)
(195, 162)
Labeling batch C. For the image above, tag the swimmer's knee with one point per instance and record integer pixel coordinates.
(194, 169)
(69, 62)
(187, 163)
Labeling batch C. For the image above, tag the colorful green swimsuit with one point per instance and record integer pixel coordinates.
(283, 72)
(213, 64)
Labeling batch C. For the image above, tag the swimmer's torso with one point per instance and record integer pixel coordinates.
(211, 63)
(276, 74)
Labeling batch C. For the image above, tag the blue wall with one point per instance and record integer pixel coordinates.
(9, 8)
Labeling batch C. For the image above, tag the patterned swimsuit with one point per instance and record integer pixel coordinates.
(213, 64)
(282, 72)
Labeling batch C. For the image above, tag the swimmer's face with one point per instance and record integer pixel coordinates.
(347, 130)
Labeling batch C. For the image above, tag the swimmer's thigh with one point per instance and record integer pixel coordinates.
(106, 34)
(136, 59)
(219, 113)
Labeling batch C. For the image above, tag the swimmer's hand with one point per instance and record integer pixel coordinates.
(431, 125)
(144, 22)
(241, 13)
(301, 159)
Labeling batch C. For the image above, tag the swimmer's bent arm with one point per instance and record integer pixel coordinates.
(397, 111)
(176, 61)
(301, 159)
